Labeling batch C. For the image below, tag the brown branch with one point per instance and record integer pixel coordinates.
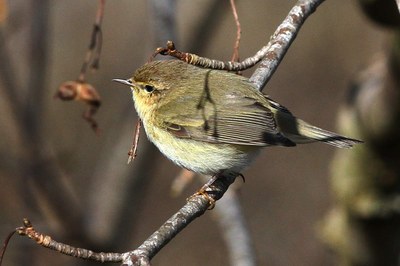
(195, 207)
(5, 244)
(235, 55)
(135, 142)
(46, 241)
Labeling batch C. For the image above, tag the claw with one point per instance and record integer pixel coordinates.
(242, 177)
(203, 193)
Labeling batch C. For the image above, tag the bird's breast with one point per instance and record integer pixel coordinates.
(199, 156)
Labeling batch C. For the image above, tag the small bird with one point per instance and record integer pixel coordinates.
(214, 122)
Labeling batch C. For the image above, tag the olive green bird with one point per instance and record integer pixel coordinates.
(214, 122)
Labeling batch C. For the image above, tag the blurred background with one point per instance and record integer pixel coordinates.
(77, 187)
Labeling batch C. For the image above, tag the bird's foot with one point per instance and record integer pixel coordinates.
(211, 201)
(203, 192)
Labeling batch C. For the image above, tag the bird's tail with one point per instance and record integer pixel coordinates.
(306, 133)
(300, 131)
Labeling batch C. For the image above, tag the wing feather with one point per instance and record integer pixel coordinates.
(224, 115)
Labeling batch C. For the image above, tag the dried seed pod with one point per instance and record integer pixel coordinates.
(84, 92)
(79, 91)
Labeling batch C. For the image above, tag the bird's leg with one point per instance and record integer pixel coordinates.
(206, 188)
(203, 191)
(208, 184)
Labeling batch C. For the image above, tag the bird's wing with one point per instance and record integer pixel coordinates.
(220, 116)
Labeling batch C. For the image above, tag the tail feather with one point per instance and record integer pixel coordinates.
(299, 131)
(313, 133)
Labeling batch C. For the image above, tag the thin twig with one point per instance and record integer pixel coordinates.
(92, 57)
(235, 55)
(46, 241)
(5, 244)
(181, 181)
(233, 226)
(99, 41)
(135, 142)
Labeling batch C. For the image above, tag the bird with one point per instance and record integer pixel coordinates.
(214, 122)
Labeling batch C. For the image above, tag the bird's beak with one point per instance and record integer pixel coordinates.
(124, 81)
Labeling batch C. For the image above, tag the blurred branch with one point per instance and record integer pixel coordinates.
(163, 19)
(383, 12)
(363, 227)
(92, 57)
(398, 4)
(7, 77)
(38, 54)
(234, 228)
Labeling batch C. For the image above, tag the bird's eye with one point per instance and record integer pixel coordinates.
(149, 88)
